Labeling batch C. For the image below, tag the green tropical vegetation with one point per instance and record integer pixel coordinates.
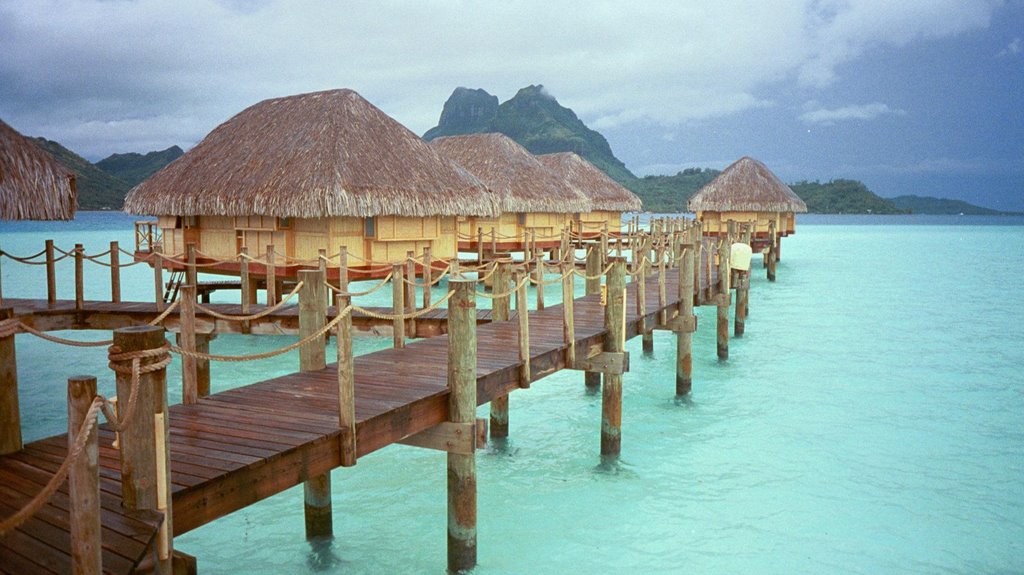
(97, 190)
(133, 168)
(843, 197)
(929, 205)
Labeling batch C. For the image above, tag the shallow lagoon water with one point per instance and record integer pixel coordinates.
(871, 420)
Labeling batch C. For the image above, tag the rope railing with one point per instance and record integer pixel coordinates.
(257, 315)
(554, 281)
(492, 295)
(379, 285)
(594, 277)
(404, 316)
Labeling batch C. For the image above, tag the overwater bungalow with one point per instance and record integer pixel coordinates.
(748, 192)
(535, 204)
(608, 198)
(306, 173)
(33, 185)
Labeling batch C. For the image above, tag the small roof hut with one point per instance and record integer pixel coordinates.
(511, 171)
(33, 185)
(312, 155)
(746, 186)
(605, 193)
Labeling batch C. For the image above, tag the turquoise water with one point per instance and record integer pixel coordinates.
(871, 420)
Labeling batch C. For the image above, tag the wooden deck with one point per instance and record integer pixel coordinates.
(237, 447)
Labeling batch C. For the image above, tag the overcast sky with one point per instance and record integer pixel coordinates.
(910, 96)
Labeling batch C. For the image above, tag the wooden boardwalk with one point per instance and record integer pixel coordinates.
(237, 447)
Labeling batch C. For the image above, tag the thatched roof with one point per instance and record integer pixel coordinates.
(33, 185)
(746, 185)
(509, 169)
(312, 155)
(604, 193)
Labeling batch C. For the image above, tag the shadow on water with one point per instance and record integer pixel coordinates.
(613, 466)
(684, 401)
(321, 555)
(501, 446)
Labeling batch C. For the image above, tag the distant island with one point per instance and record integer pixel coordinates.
(536, 120)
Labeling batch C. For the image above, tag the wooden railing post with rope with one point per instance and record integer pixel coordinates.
(158, 281)
(312, 318)
(614, 343)
(186, 339)
(770, 256)
(115, 272)
(51, 274)
(567, 268)
(428, 275)
(10, 410)
(592, 379)
(687, 323)
(84, 480)
(271, 276)
(500, 311)
(398, 305)
(346, 379)
(79, 276)
(245, 285)
(139, 358)
(410, 293)
(539, 279)
(523, 314)
(462, 360)
(723, 297)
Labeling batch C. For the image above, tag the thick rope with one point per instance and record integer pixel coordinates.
(382, 283)
(256, 315)
(403, 316)
(23, 259)
(493, 295)
(115, 356)
(598, 276)
(557, 280)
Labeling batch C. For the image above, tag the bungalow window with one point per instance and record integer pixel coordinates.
(185, 222)
(370, 227)
(284, 223)
(522, 218)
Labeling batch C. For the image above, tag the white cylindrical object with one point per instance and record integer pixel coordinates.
(739, 258)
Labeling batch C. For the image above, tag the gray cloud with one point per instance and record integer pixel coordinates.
(855, 112)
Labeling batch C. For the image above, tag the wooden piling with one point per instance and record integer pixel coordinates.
(245, 285)
(568, 321)
(770, 256)
(428, 275)
(723, 298)
(312, 317)
(79, 276)
(523, 313)
(592, 379)
(158, 281)
(346, 383)
(271, 276)
(684, 335)
(10, 411)
(84, 481)
(410, 293)
(539, 277)
(145, 459)
(203, 365)
(462, 409)
(614, 342)
(187, 342)
(51, 274)
(500, 309)
(115, 272)
(742, 295)
(398, 305)
(479, 245)
(640, 267)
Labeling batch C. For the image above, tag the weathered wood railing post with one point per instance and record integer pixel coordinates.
(523, 314)
(614, 342)
(640, 264)
(115, 272)
(145, 459)
(10, 410)
(346, 383)
(84, 481)
(79, 276)
(410, 293)
(479, 245)
(568, 311)
(428, 275)
(187, 342)
(539, 277)
(500, 311)
(772, 239)
(462, 409)
(494, 241)
(158, 281)
(592, 379)
(312, 317)
(343, 269)
(687, 321)
(662, 285)
(51, 274)
(245, 284)
(723, 297)
(271, 276)
(191, 273)
(398, 305)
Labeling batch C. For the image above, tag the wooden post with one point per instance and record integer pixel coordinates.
(346, 384)
(187, 342)
(428, 275)
(84, 481)
(203, 365)
(10, 411)
(191, 274)
(51, 274)
(245, 285)
(145, 459)
(723, 298)
(343, 269)
(494, 242)
(684, 337)
(592, 379)
(158, 280)
(479, 245)
(568, 321)
(662, 293)
(312, 317)
(614, 341)
(742, 294)
(271, 276)
(115, 272)
(647, 333)
(462, 409)
(398, 305)
(523, 311)
(79, 276)
(410, 293)
(500, 312)
(539, 273)
(771, 251)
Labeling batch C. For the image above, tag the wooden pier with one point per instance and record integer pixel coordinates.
(233, 448)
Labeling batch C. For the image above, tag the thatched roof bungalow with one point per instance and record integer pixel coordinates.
(747, 191)
(33, 185)
(608, 198)
(533, 200)
(308, 172)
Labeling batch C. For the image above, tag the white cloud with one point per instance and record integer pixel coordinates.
(197, 62)
(1014, 48)
(857, 112)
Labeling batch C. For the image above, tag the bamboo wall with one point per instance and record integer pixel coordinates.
(718, 222)
(547, 225)
(594, 222)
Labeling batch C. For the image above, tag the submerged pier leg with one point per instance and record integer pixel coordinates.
(614, 342)
(500, 312)
(742, 296)
(684, 335)
(592, 379)
(723, 298)
(10, 412)
(462, 409)
(312, 316)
